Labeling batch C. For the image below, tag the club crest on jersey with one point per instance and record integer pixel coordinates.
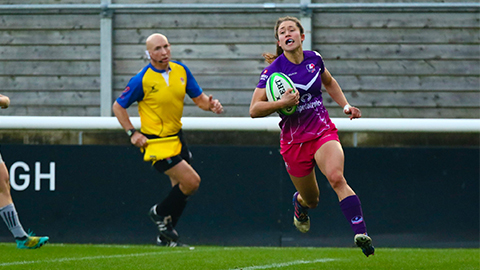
(311, 67)
(182, 80)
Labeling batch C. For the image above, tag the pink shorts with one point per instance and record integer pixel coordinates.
(300, 157)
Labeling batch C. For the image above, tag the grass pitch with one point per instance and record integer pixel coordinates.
(73, 256)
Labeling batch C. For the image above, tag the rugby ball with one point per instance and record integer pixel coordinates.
(277, 85)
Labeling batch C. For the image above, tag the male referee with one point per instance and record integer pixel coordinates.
(160, 88)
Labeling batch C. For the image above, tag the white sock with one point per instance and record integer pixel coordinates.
(10, 217)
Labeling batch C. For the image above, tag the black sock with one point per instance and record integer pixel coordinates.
(173, 205)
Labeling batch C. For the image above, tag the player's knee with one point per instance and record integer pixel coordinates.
(336, 179)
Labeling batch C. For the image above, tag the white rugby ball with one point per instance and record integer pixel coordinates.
(277, 85)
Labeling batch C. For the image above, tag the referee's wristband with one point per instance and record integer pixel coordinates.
(346, 108)
(130, 132)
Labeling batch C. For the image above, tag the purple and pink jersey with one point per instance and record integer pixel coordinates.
(311, 119)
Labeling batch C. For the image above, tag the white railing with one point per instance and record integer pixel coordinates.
(244, 123)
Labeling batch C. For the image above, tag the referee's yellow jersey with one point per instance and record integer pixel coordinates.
(160, 97)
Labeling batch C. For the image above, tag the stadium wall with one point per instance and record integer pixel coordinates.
(393, 63)
(415, 197)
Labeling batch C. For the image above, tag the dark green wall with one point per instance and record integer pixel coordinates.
(426, 197)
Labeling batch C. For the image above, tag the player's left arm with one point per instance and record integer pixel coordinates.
(208, 103)
(335, 91)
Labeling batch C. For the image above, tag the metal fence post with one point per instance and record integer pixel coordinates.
(106, 69)
(306, 20)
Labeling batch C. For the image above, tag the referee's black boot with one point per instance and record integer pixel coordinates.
(164, 225)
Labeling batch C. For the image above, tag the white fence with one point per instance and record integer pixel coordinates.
(245, 123)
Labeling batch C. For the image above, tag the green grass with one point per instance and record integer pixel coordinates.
(72, 256)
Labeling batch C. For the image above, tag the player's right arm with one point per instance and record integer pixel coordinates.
(261, 107)
(4, 101)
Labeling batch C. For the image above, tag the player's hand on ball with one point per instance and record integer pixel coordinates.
(290, 97)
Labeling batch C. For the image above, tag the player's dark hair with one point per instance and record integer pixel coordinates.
(270, 57)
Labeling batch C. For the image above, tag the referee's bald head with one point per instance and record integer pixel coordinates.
(154, 39)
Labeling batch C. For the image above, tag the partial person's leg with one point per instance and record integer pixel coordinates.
(185, 181)
(7, 209)
(330, 160)
(5, 197)
(307, 188)
(300, 166)
(10, 216)
(306, 197)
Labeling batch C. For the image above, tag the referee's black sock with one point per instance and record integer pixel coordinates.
(173, 205)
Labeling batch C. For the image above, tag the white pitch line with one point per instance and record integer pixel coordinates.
(275, 265)
(87, 258)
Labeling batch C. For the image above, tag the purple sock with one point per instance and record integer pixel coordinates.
(352, 210)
